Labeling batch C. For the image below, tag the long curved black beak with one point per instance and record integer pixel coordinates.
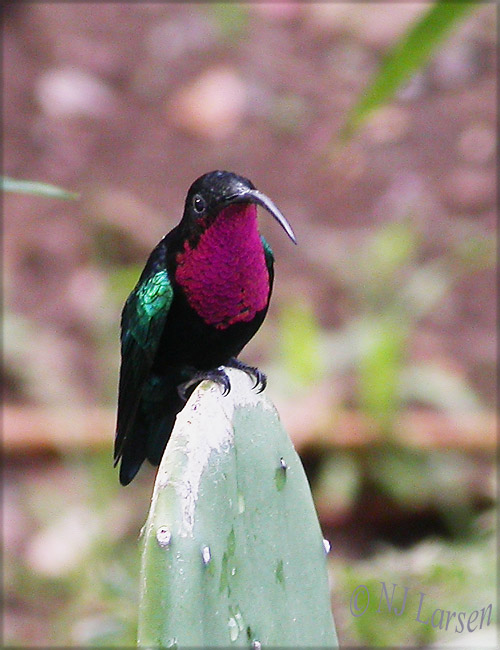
(254, 196)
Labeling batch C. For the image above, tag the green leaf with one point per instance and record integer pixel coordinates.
(383, 343)
(231, 17)
(121, 281)
(300, 343)
(389, 249)
(38, 189)
(409, 54)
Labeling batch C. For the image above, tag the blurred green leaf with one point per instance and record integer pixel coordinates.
(382, 344)
(409, 54)
(383, 264)
(300, 343)
(417, 479)
(389, 248)
(231, 17)
(403, 475)
(38, 189)
(122, 280)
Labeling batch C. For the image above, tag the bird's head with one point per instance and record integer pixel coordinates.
(215, 192)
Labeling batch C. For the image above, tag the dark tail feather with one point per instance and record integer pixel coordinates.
(148, 437)
(160, 427)
(133, 456)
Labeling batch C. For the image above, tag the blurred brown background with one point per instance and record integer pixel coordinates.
(380, 342)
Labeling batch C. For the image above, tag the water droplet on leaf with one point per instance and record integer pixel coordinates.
(206, 555)
(233, 629)
(239, 619)
(280, 474)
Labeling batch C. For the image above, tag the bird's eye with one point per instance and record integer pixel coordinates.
(198, 203)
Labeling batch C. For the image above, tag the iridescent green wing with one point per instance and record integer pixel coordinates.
(143, 320)
(145, 311)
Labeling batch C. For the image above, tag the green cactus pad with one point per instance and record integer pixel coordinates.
(233, 552)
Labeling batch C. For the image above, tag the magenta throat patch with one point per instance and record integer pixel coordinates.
(225, 277)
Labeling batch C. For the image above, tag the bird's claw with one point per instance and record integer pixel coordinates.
(260, 379)
(217, 375)
(220, 377)
(182, 390)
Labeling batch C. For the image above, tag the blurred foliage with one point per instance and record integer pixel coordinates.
(393, 284)
(382, 342)
(299, 343)
(408, 55)
(121, 281)
(38, 189)
(83, 552)
(415, 479)
(231, 18)
(405, 480)
(453, 577)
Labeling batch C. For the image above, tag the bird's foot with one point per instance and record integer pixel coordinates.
(257, 375)
(216, 375)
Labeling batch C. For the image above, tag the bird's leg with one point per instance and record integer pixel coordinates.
(258, 376)
(216, 374)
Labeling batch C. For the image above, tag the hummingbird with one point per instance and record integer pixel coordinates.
(202, 295)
